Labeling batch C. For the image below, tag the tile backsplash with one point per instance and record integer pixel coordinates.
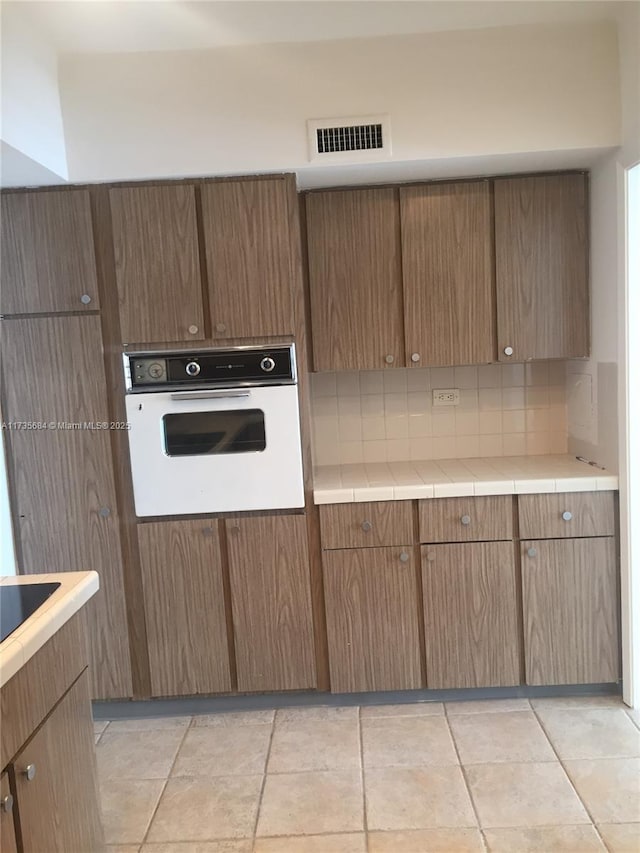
(388, 416)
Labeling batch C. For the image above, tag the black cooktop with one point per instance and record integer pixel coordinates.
(19, 601)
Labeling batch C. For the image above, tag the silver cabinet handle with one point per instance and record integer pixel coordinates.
(531, 552)
(85, 299)
(466, 519)
(415, 356)
(30, 772)
(404, 557)
(193, 330)
(389, 359)
(220, 327)
(7, 803)
(567, 516)
(366, 526)
(208, 395)
(104, 512)
(508, 350)
(431, 556)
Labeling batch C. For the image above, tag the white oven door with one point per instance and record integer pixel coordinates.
(215, 451)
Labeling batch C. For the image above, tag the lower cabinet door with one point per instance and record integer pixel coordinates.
(8, 842)
(271, 602)
(371, 597)
(471, 615)
(184, 607)
(570, 597)
(56, 782)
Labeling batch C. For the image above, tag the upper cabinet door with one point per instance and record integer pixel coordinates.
(155, 239)
(48, 259)
(447, 263)
(542, 267)
(247, 236)
(355, 279)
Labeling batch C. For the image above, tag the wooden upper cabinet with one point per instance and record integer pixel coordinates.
(355, 279)
(47, 254)
(248, 236)
(542, 267)
(447, 263)
(155, 239)
(63, 491)
(184, 607)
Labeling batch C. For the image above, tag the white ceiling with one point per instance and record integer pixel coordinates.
(89, 26)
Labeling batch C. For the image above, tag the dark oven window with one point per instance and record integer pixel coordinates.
(206, 433)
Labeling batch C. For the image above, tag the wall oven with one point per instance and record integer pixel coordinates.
(214, 430)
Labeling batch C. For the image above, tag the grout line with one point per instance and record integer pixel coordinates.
(566, 773)
(365, 825)
(466, 780)
(164, 786)
(264, 781)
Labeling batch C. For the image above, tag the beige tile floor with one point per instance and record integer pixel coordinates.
(510, 776)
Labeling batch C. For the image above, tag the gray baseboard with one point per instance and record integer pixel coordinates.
(193, 705)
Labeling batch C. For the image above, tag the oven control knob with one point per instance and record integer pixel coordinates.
(267, 364)
(193, 368)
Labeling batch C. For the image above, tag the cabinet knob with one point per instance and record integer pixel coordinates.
(531, 552)
(220, 327)
(404, 557)
(7, 803)
(567, 516)
(193, 330)
(85, 299)
(104, 512)
(431, 556)
(389, 359)
(508, 350)
(366, 526)
(415, 356)
(465, 519)
(30, 772)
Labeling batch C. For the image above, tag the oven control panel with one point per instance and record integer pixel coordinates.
(214, 368)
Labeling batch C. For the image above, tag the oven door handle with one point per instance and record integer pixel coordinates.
(209, 395)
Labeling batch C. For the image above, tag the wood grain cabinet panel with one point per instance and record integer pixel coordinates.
(372, 619)
(47, 253)
(365, 525)
(466, 519)
(59, 806)
(542, 267)
(8, 843)
(471, 615)
(184, 607)
(155, 241)
(564, 515)
(271, 602)
(570, 598)
(63, 489)
(447, 266)
(247, 236)
(355, 279)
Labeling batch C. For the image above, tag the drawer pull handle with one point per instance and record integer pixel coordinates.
(404, 557)
(30, 772)
(567, 516)
(431, 556)
(366, 526)
(389, 359)
(531, 552)
(7, 804)
(466, 519)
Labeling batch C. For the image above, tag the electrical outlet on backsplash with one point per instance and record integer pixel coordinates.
(388, 415)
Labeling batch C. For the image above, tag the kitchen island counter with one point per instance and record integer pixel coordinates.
(446, 478)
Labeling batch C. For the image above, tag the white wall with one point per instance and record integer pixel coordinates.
(31, 115)
(243, 109)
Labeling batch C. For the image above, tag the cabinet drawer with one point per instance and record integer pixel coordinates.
(557, 516)
(363, 525)
(479, 519)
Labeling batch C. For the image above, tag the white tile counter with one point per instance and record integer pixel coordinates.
(75, 590)
(446, 478)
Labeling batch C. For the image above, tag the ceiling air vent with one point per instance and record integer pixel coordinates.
(350, 139)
